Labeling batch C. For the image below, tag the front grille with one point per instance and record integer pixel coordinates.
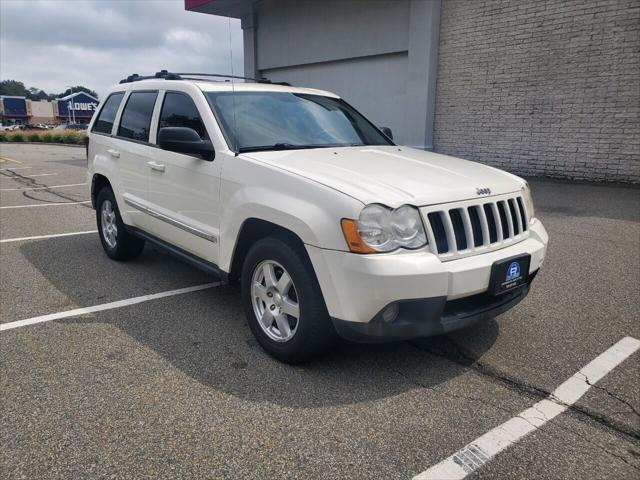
(457, 230)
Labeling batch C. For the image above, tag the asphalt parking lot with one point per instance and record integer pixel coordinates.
(176, 386)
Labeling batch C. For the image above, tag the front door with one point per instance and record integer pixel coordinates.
(184, 190)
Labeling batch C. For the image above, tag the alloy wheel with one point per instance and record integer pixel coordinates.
(108, 224)
(275, 301)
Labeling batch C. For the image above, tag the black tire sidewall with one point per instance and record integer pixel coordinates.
(103, 195)
(127, 246)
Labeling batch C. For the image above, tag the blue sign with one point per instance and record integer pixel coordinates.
(14, 106)
(79, 105)
(513, 272)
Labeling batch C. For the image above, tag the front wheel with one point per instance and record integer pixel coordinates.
(283, 302)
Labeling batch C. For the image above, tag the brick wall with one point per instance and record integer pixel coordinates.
(541, 88)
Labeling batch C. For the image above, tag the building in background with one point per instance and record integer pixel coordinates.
(537, 88)
(42, 111)
(14, 110)
(75, 108)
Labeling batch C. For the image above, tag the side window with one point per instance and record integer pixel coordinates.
(178, 110)
(104, 122)
(136, 117)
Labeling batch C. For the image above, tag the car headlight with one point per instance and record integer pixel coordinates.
(383, 229)
(528, 201)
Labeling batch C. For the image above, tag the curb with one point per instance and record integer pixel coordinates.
(44, 143)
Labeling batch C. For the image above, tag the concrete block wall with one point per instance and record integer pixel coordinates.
(541, 88)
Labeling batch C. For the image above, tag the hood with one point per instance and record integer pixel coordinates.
(392, 175)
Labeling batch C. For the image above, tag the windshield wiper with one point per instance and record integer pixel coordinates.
(281, 146)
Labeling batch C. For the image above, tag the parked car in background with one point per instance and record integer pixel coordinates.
(38, 126)
(71, 126)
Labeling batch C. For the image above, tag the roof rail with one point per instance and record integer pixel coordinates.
(166, 75)
(220, 75)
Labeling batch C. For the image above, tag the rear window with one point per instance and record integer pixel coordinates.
(136, 118)
(178, 110)
(104, 122)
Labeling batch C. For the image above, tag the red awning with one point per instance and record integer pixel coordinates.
(191, 4)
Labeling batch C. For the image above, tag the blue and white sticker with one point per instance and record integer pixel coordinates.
(513, 272)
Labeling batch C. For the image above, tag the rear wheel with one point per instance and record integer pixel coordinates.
(283, 302)
(117, 242)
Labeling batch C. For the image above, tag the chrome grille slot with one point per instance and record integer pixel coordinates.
(514, 217)
(476, 226)
(491, 220)
(439, 233)
(458, 229)
(523, 216)
(504, 221)
(470, 227)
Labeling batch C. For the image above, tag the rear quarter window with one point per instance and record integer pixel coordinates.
(136, 117)
(104, 122)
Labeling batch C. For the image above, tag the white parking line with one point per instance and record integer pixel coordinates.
(40, 237)
(105, 306)
(45, 204)
(15, 168)
(481, 450)
(40, 188)
(7, 159)
(40, 175)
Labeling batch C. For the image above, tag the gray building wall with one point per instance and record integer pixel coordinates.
(544, 88)
(541, 88)
(380, 55)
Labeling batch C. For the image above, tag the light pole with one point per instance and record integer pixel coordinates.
(69, 107)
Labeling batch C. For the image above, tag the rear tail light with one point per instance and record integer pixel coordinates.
(86, 147)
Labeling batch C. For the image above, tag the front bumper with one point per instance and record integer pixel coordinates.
(431, 316)
(356, 288)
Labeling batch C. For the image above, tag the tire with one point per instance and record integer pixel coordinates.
(120, 244)
(312, 333)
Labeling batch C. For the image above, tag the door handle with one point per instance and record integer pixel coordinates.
(158, 167)
(113, 153)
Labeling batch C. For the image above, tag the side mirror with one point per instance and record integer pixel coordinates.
(185, 140)
(387, 131)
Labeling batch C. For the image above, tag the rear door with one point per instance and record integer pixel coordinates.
(99, 156)
(184, 190)
(132, 150)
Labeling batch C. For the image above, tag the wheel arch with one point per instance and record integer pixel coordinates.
(98, 182)
(254, 229)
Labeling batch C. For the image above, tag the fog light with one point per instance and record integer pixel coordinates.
(390, 313)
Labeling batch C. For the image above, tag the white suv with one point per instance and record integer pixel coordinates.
(331, 229)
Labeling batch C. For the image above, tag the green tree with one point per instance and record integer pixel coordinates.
(13, 87)
(77, 89)
(16, 88)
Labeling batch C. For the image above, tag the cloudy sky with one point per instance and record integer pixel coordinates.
(53, 43)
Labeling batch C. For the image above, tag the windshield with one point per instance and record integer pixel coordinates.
(289, 121)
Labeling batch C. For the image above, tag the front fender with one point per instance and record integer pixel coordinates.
(308, 209)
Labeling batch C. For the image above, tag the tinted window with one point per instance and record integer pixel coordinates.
(107, 115)
(178, 110)
(136, 118)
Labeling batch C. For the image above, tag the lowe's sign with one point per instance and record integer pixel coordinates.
(77, 105)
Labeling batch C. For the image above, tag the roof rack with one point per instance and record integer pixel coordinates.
(166, 75)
